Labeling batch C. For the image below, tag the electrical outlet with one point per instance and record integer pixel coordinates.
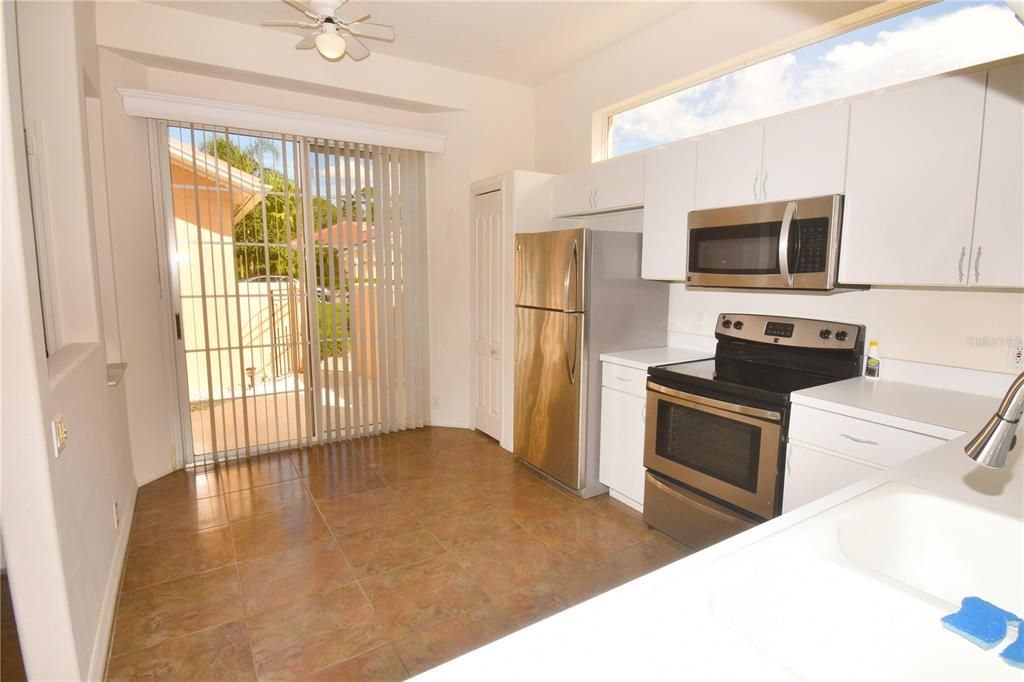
(435, 402)
(117, 515)
(1015, 356)
(60, 435)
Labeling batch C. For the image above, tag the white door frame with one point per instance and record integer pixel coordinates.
(502, 184)
(163, 207)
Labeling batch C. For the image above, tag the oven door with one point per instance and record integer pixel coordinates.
(780, 245)
(727, 451)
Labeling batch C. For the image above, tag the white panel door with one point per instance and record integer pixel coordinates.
(911, 180)
(812, 474)
(488, 226)
(997, 254)
(805, 153)
(729, 167)
(670, 176)
(622, 443)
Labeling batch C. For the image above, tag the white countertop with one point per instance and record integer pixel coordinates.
(655, 357)
(931, 411)
(679, 623)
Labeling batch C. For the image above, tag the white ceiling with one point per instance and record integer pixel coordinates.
(525, 42)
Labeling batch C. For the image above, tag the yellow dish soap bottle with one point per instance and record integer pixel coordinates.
(874, 364)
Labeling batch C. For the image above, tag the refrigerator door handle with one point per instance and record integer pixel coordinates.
(574, 259)
(571, 351)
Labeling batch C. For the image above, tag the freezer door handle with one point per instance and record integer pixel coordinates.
(574, 260)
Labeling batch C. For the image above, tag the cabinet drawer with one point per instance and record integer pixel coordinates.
(625, 379)
(812, 474)
(867, 441)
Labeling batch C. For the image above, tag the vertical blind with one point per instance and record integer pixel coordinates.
(299, 269)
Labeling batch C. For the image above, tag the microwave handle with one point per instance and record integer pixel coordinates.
(787, 222)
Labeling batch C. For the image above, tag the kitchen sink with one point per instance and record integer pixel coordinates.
(857, 592)
(943, 547)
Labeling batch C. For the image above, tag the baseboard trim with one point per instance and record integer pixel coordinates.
(104, 629)
(626, 500)
(451, 422)
(150, 477)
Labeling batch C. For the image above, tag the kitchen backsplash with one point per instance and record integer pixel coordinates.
(973, 329)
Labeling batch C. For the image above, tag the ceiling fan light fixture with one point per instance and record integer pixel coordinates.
(330, 45)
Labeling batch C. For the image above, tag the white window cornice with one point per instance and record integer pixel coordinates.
(157, 105)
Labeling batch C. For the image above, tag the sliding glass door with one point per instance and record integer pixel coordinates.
(296, 271)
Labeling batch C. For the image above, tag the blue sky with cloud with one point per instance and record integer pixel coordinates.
(934, 39)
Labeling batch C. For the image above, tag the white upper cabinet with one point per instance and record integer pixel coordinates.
(729, 167)
(911, 181)
(802, 154)
(670, 176)
(613, 185)
(805, 153)
(997, 254)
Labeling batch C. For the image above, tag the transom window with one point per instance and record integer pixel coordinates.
(937, 38)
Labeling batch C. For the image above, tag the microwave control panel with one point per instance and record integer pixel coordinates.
(812, 245)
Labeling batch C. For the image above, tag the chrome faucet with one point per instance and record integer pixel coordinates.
(995, 440)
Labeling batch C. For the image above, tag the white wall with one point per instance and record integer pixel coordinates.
(490, 128)
(701, 36)
(64, 554)
(929, 325)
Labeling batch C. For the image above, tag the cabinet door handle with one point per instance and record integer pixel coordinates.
(764, 186)
(595, 198)
(977, 265)
(862, 441)
(960, 267)
(755, 186)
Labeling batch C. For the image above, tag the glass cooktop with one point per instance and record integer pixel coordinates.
(739, 377)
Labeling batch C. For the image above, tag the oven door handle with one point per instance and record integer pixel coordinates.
(787, 223)
(711, 402)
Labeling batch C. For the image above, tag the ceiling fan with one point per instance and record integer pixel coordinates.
(338, 30)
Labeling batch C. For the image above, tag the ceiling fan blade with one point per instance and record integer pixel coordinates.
(289, 24)
(350, 12)
(307, 43)
(302, 7)
(355, 48)
(365, 29)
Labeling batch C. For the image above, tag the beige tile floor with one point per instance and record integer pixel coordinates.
(377, 558)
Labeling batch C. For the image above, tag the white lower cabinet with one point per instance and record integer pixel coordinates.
(812, 473)
(622, 443)
(829, 451)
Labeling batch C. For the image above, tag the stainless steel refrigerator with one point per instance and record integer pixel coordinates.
(578, 293)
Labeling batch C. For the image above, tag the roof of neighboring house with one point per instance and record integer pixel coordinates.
(246, 189)
(343, 235)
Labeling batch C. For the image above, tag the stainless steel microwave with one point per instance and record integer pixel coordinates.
(779, 245)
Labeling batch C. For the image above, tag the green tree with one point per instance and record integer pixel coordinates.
(264, 236)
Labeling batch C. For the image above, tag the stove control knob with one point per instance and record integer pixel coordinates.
(841, 336)
(726, 324)
(737, 325)
(825, 334)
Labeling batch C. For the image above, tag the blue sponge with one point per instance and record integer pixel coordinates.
(982, 623)
(1014, 654)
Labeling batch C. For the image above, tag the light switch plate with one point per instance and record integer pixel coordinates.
(60, 435)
